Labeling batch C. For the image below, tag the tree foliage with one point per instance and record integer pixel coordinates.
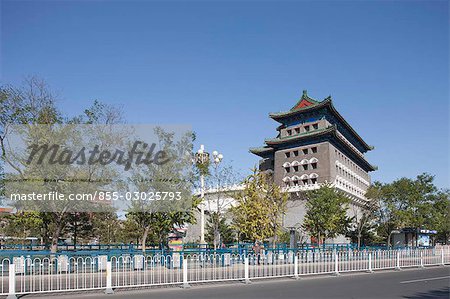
(158, 219)
(34, 104)
(220, 178)
(326, 213)
(23, 224)
(406, 202)
(217, 225)
(259, 208)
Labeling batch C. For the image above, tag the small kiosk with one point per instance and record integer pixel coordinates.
(413, 237)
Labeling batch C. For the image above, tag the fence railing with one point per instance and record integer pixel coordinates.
(7, 250)
(23, 275)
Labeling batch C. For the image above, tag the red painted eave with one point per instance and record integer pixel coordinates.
(303, 103)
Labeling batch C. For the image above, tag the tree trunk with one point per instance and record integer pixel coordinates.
(144, 238)
(45, 234)
(75, 234)
(216, 236)
(55, 236)
(274, 241)
(359, 240)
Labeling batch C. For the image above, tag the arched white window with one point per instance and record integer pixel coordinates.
(295, 163)
(287, 167)
(304, 161)
(313, 160)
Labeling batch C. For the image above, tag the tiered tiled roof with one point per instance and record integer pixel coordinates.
(307, 104)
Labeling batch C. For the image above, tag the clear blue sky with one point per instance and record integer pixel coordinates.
(223, 66)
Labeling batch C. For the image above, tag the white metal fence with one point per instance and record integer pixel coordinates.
(23, 275)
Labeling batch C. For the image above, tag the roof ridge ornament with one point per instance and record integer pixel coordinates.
(305, 93)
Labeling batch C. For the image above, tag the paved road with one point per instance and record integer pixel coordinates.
(412, 283)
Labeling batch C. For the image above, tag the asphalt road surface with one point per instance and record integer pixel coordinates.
(425, 283)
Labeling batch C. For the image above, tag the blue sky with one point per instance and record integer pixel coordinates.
(223, 66)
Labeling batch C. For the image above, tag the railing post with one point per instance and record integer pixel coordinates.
(296, 267)
(12, 282)
(369, 269)
(109, 289)
(397, 263)
(246, 271)
(421, 259)
(442, 257)
(336, 264)
(185, 274)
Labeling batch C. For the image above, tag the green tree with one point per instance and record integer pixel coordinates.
(106, 226)
(217, 223)
(159, 218)
(34, 104)
(220, 178)
(326, 213)
(259, 208)
(362, 224)
(441, 219)
(78, 226)
(23, 224)
(128, 230)
(409, 202)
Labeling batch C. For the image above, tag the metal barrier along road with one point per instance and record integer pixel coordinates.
(60, 273)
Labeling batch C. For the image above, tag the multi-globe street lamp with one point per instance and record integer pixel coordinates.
(202, 159)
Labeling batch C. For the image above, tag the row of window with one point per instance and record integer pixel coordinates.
(302, 129)
(304, 151)
(350, 175)
(297, 168)
(304, 164)
(352, 165)
(303, 180)
(350, 187)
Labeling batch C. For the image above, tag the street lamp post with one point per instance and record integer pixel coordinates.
(202, 158)
(217, 158)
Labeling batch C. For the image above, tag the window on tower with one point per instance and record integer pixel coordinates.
(305, 167)
(314, 165)
(287, 154)
(307, 128)
(314, 180)
(314, 149)
(305, 151)
(296, 168)
(305, 182)
(315, 126)
(297, 130)
(295, 153)
(289, 132)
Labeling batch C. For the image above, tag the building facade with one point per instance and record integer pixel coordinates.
(315, 145)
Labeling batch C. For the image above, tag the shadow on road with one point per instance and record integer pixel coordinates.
(440, 293)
